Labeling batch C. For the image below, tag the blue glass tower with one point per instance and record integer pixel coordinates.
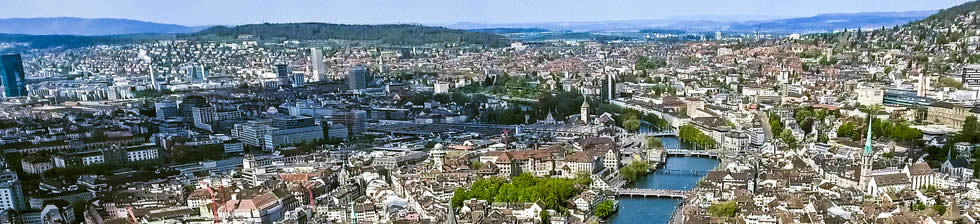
(12, 75)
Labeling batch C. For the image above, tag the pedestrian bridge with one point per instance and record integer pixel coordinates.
(695, 153)
(660, 193)
(682, 172)
(658, 134)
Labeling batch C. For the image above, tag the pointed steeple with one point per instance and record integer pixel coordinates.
(867, 143)
(949, 154)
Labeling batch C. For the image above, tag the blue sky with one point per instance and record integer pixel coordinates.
(231, 12)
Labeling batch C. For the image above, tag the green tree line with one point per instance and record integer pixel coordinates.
(553, 192)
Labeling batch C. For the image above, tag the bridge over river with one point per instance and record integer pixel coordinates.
(660, 193)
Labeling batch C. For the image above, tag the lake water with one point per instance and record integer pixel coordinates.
(651, 210)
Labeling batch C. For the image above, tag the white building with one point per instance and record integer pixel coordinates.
(868, 96)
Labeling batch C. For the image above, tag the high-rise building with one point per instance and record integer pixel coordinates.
(11, 192)
(149, 63)
(357, 78)
(608, 87)
(282, 73)
(718, 35)
(319, 67)
(12, 76)
(166, 109)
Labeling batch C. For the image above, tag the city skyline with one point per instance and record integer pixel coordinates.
(444, 12)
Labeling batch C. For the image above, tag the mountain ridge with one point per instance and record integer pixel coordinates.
(88, 26)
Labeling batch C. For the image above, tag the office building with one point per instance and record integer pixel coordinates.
(355, 120)
(440, 87)
(298, 80)
(166, 109)
(270, 134)
(11, 192)
(12, 75)
(319, 67)
(357, 78)
(196, 73)
(282, 74)
(188, 104)
(293, 122)
(905, 97)
(252, 133)
(282, 137)
(608, 87)
(868, 96)
(970, 75)
(234, 146)
(204, 117)
(950, 114)
(338, 131)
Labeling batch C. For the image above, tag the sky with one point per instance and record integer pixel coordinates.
(235, 12)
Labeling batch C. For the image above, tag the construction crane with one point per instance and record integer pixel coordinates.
(132, 216)
(214, 201)
(309, 189)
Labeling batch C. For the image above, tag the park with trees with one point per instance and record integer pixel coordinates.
(692, 135)
(524, 188)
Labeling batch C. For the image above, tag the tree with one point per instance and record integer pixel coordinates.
(654, 143)
(459, 98)
(442, 98)
(635, 170)
(847, 129)
(604, 209)
(969, 132)
(691, 134)
(788, 138)
(632, 124)
(545, 217)
(723, 209)
(583, 178)
(523, 188)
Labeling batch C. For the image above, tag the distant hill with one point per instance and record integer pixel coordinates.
(388, 34)
(818, 23)
(831, 22)
(664, 31)
(510, 30)
(74, 41)
(951, 13)
(87, 27)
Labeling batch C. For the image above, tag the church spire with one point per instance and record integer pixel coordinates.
(867, 143)
(949, 154)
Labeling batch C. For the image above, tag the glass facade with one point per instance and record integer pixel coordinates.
(12, 76)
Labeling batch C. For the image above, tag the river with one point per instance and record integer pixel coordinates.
(651, 210)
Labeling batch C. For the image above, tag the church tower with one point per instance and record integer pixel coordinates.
(866, 158)
(585, 111)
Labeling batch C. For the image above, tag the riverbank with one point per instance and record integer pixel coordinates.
(659, 210)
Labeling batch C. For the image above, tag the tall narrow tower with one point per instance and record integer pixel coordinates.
(866, 157)
(585, 111)
(149, 62)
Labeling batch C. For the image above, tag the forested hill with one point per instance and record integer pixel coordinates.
(951, 14)
(388, 34)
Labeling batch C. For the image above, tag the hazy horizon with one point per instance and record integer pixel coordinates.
(433, 12)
